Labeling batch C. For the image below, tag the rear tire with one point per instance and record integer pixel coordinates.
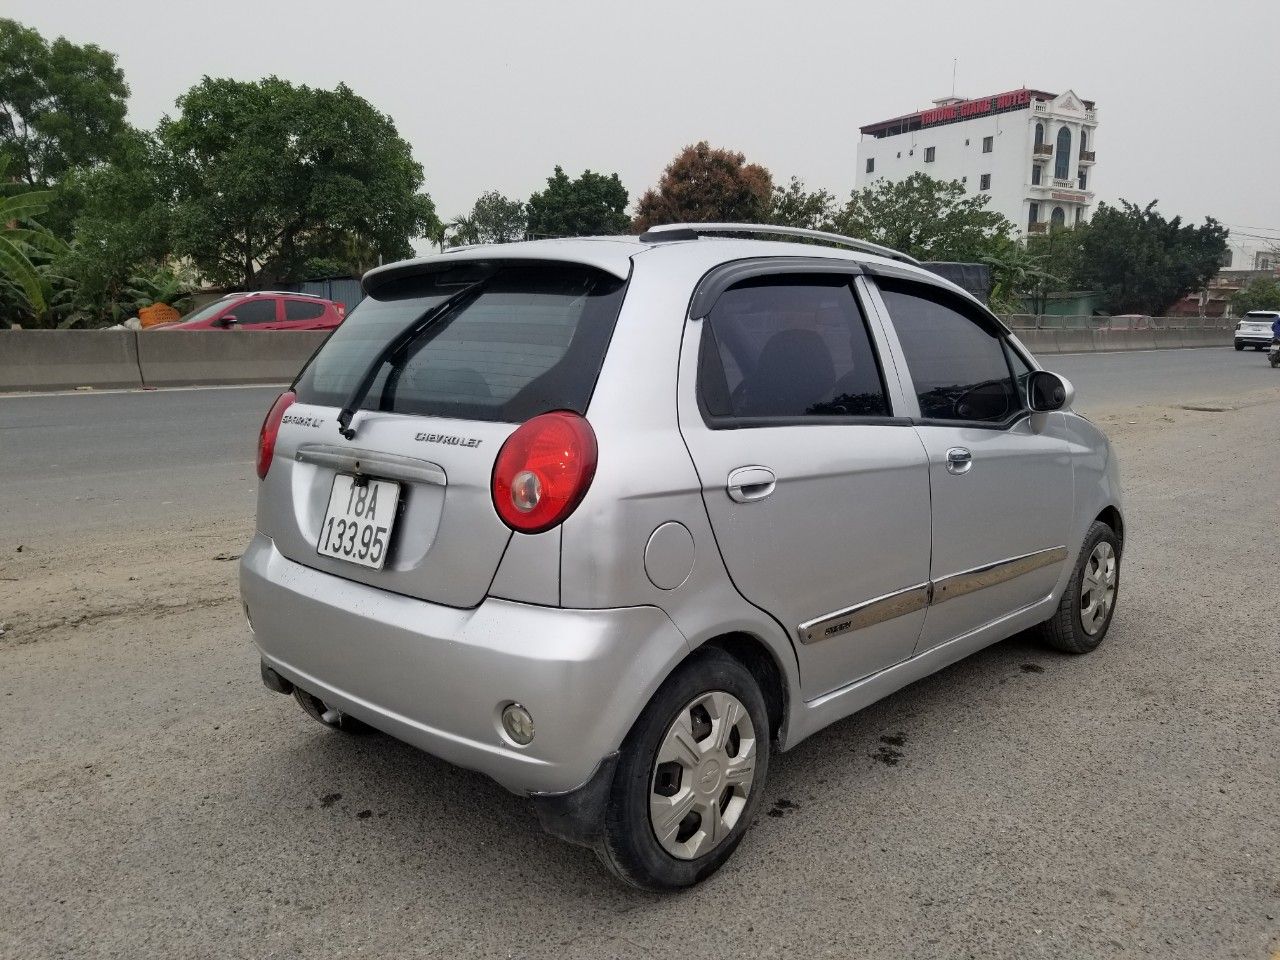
(316, 709)
(696, 762)
(1239, 345)
(1089, 602)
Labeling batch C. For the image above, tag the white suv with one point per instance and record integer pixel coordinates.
(1254, 329)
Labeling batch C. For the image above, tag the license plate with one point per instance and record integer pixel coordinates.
(357, 524)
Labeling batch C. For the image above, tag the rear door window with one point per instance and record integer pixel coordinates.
(303, 309)
(954, 354)
(531, 340)
(789, 347)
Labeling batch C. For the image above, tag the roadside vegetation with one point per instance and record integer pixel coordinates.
(252, 185)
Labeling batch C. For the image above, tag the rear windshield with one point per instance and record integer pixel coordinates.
(532, 340)
(1260, 315)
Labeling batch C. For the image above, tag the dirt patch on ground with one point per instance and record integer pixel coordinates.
(53, 587)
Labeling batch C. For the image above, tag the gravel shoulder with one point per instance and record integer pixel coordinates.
(155, 800)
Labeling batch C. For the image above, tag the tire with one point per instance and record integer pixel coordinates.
(1239, 345)
(315, 708)
(1071, 629)
(709, 682)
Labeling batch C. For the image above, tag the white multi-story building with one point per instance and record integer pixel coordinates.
(1031, 152)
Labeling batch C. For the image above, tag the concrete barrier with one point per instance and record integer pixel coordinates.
(64, 359)
(1038, 341)
(180, 358)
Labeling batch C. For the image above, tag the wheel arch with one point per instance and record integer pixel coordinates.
(756, 655)
(1110, 515)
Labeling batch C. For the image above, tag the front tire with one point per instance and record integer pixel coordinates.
(690, 776)
(1089, 602)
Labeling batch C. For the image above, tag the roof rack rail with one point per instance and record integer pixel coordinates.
(691, 231)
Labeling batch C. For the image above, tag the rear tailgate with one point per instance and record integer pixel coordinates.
(530, 341)
(446, 541)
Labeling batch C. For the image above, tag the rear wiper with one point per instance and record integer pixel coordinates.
(397, 343)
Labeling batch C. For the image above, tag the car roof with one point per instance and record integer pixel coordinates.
(615, 255)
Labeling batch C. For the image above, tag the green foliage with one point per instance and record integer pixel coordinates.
(61, 105)
(593, 205)
(1059, 254)
(705, 185)
(926, 218)
(121, 230)
(1016, 270)
(794, 206)
(1143, 263)
(1260, 293)
(268, 176)
(493, 219)
(24, 246)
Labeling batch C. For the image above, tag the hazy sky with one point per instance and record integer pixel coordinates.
(493, 94)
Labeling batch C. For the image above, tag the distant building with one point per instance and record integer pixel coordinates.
(1252, 253)
(1031, 152)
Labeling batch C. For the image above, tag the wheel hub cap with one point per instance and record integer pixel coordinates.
(702, 775)
(1098, 588)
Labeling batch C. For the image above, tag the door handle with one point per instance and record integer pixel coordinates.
(959, 460)
(750, 483)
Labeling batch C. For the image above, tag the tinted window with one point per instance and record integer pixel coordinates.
(255, 310)
(303, 309)
(779, 347)
(1021, 373)
(530, 340)
(956, 358)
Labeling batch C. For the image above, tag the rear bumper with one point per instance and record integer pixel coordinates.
(1254, 339)
(438, 677)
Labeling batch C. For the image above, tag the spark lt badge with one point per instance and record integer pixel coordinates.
(447, 439)
(303, 421)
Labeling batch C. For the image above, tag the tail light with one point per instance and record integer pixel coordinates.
(271, 430)
(342, 310)
(543, 471)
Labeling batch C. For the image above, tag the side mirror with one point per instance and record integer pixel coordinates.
(1047, 391)
(229, 321)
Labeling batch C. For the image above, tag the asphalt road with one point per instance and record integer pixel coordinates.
(156, 801)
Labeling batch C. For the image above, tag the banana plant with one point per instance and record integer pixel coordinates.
(20, 235)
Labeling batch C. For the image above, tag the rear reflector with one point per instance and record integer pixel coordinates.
(543, 471)
(270, 430)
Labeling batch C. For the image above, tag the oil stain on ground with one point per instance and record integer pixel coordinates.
(782, 806)
(888, 752)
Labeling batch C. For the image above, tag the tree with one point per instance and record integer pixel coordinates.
(1260, 293)
(794, 206)
(705, 185)
(592, 205)
(267, 177)
(493, 219)
(21, 239)
(1058, 253)
(1143, 263)
(61, 105)
(121, 229)
(926, 218)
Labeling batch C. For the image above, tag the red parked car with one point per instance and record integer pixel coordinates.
(264, 310)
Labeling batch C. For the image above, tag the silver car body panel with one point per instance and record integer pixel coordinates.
(438, 677)
(568, 622)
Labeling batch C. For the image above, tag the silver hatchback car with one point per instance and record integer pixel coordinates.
(612, 520)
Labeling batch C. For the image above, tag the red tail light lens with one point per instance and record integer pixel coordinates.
(270, 430)
(543, 471)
